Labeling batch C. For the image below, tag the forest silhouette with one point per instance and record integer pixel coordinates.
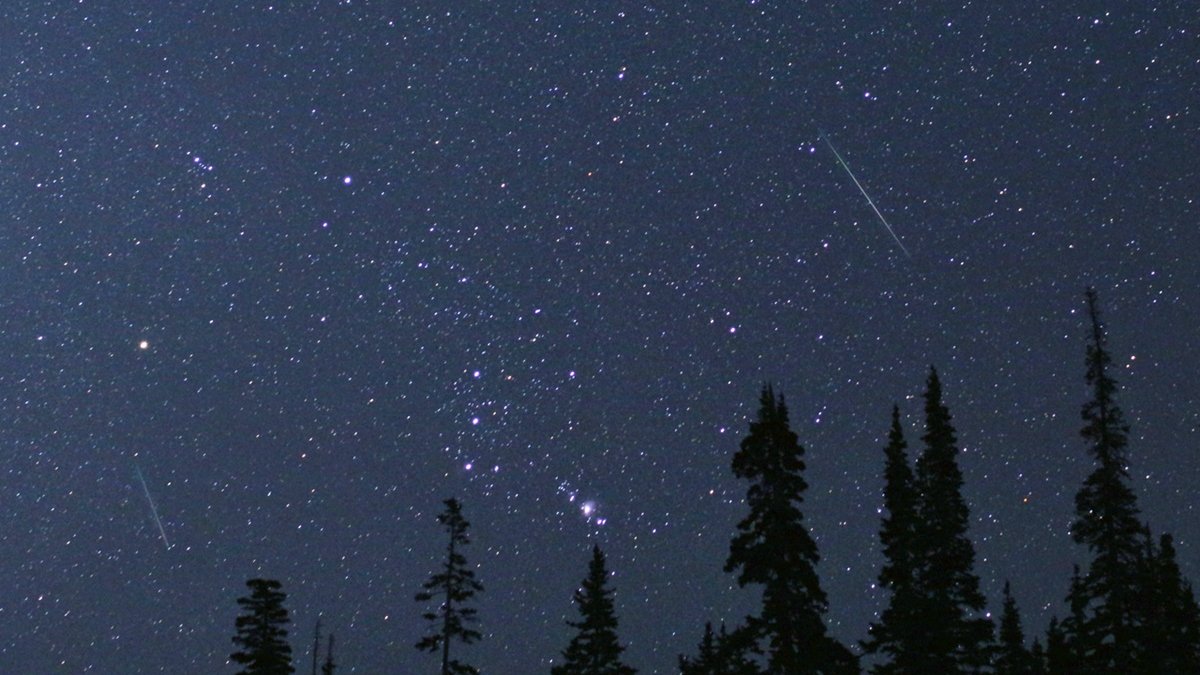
(1129, 609)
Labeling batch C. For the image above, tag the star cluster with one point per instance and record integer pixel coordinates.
(313, 267)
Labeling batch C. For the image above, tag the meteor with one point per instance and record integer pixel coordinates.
(863, 190)
(153, 508)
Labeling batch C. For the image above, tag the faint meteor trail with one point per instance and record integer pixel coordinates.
(153, 508)
(861, 189)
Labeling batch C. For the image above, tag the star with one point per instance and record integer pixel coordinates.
(573, 265)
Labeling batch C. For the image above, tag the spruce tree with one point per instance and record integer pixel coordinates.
(1011, 656)
(718, 654)
(1106, 522)
(1072, 630)
(706, 661)
(261, 635)
(595, 649)
(957, 635)
(316, 648)
(1037, 656)
(1171, 634)
(773, 549)
(898, 635)
(454, 586)
(1059, 659)
(329, 666)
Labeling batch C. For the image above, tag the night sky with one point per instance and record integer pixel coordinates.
(313, 267)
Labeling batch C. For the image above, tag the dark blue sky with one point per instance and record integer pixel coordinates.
(541, 254)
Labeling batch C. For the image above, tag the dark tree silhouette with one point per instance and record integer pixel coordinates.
(595, 649)
(261, 634)
(1059, 659)
(1011, 656)
(707, 660)
(329, 666)
(956, 633)
(1037, 656)
(1106, 521)
(1171, 634)
(898, 635)
(316, 648)
(1074, 625)
(773, 549)
(718, 654)
(454, 586)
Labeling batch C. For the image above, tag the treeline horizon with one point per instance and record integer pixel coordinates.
(1129, 610)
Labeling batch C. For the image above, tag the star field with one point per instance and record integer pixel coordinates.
(313, 267)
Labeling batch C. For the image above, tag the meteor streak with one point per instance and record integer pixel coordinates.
(864, 193)
(153, 508)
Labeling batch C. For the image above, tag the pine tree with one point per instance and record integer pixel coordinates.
(718, 654)
(329, 666)
(773, 549)
(1059, 659)
(1106, 522)
(1011, 656)
(261, 634)
(1171, 635)
(595, 649)
(455, 585)
(1037, 655)
(956, 633)
(1073, 630)
(316, 649)
(898, 635)
(707, 661)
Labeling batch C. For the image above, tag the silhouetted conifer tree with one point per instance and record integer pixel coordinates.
(1011, 656)
(455, 585)
(329, 666)
(261, 631)
(706, 661)
(1106, 521)
(1038, 656)
(773, 549)
(595, 649)
(899, 635)
(1171, 635)
(718, 655)
(1072, 628)
(316, 648)
(957, 636)
(1059, 660)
